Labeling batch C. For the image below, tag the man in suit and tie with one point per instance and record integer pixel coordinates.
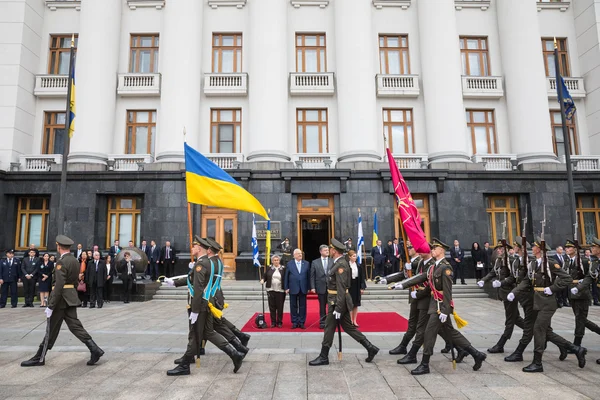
(96, 278)
(154, 260)
(29, 271)
(146, 250)
(127, 274)
(395, 255)
(78, 251)
(9, 276)
(562, 296)
(318, 281)
(379, 257)
(456, 260)
(31, 247)
(296, 284)
(167, 259)
(114, 250)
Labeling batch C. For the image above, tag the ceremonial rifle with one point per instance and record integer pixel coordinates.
(544, 256)
(504, 246)
(524, 242)
(577, 248)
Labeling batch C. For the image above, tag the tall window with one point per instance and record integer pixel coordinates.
(124, 219)
(588, 210)
(422, 203)
(144, 53)
(226, 131)
(60, 48)
(312, 131)
(141, 130)
(558, 139)
(475, 58)
(563, 56)
(311, 53)
(482, 126)
(227, 52)
(32, 222)
(393, 55)
(499, 208)
(53, 141)
(398, 130)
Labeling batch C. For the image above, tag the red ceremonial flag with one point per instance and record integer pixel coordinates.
(409, 214)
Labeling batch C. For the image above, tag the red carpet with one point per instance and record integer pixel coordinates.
(367, 321)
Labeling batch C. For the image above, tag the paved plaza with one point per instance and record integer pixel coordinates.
(141, 341)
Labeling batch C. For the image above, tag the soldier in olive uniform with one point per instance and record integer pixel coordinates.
(340, 305)
(441, 306)
(545, 281)
(595, 267)
(200, 318)
(502, 276)
(62, 305)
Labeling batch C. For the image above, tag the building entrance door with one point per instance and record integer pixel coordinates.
(315, 223)
(221, 225)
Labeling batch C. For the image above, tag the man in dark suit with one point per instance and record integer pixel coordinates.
(29, 271)
(114, 250)
(96, 278)
(127, 274)
(296, 284)
(78, 251)
(456, 260)
(488, 254)
(9, 276)
(167, 259)
(31, 247)
(146, 250)
(395, 255)
(562, 296)
(318, 281)
(154, 260)
(379, 258)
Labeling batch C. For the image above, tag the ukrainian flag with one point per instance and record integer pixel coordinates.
(268, 244)
(209, 185)
(72, 100)
(375, 230)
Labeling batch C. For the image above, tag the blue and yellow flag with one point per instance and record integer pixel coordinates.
(72, 101)
(568, 102)
(268, 243)
(209, 185)
(375, 230)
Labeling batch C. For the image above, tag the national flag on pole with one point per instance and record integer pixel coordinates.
(409, 214)
(360, 243)
(254, 244)
(72, 99)
(268, 244)
(375, 230)
(568, 102)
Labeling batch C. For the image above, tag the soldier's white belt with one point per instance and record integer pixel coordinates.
(334, 291)
(66, 287)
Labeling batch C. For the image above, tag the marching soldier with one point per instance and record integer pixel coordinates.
(439, 279)
(62, 306)
(595, 267)
(502, 276)
(340, 305)
(545, 281)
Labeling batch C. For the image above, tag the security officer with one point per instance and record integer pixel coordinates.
(9, 276)
(62, 305)
(502, 276)
(286, 249)
(545, 281)
(595, 267)
(441, 306)
(340, 305)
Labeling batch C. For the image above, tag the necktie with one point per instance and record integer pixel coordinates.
(325, 265)
(96, 266)
(395, 250)
(379, 249)
(299, 267)
(168, 253)
(144, 249)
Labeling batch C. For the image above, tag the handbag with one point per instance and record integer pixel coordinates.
(81, 287)
(479, 265)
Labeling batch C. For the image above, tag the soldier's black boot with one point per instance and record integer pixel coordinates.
(235, 356)
(35, 360)
(182, 369)
(239, 346)
(447, 348)
(460, 355)
(598, 361)
(322, 359)
(580, 353)
(372, 350)
(202, 352)
(423, 368)
(592, 327)
(400, 349)
(478, 357)
(411, 357)
(498, 347)
(96, 352)
(536, 365)
(563, 353)
(517, 355)
(244, 337)
(183, 359)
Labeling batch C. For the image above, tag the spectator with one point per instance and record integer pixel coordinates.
(90, 255)
(9, 276)
(130, 244)
(96, 277)
(296, 283)
(78, 251)
(154, 260)
(379, 258)
(318, 281)
(127, 272)
(395, 255)
(167, 259)
(146, 250)
(53, 258)
(457, 256)
(115, 249)
(29, 269)
(31, 247)
(96, 249)
(488, 254)
(562, 296)
(273, 281)
(82, 291)
(110, 277)
(357, 285)
(478, 256)
(45, 279)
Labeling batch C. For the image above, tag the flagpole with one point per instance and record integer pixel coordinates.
(567, 140)
(63, 175)
(189, 213)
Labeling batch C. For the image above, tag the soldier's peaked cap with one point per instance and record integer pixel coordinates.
(570, 243)
(64, 241)
(435, 242)
(508, 246)
(214, 244)
(336, 244)
(595, 242)
(538, 243)
(196, 240)
(204, 243)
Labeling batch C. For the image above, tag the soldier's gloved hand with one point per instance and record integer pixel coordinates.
(169, 282)
(48, 312)
(413, 294)
(382, 281)
(407, 266)
(548, 291)
(398, 286)
(574, 290)
(480, 283)
(496, 284)
(510, 297)
(193, 317)
(443, 317)
(191, 265)
(337, 315)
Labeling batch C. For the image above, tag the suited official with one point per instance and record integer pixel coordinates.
(77, 252)
(319, 270)
(340, 306)
(63, 303)
(9, 276)
(154, 260)
(457, 255)
(96, 278)
(126, 270)
(114, 250)
(167, 259)
(562, 298)
(378, 254)
(29, 273)
(297, 284)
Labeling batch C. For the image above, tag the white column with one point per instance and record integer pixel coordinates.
(442, 87)
(524, 81)
(96, 81)
(181, 69)
(356, 52)
(268, 79)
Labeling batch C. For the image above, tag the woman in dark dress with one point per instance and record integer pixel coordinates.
(83, 295)
(478, 256)
(45, 280)
(110, 276)
(357, 285)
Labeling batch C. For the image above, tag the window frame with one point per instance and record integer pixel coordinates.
(136, 212)
(135, 49)
(492, 211)
(238, 50)
(424, 212)
(237, 147)
(320, 124)
(49, 138)
(580, 210)
(571, 127)
(483, 55)
(130, 143)
(563, 56)
(387, 49)
(53, 68)
(487, 124)
(45, 212)
(387, 128)
(318, 48)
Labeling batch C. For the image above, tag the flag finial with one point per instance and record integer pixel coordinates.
(73, 40)
(555, 43)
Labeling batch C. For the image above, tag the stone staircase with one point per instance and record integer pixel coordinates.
(250, 291)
